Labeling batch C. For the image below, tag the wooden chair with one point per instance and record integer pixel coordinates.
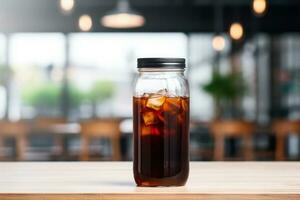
(282, 129)
(101, 128)
(17, 130)
(237, 129)
(44, 125)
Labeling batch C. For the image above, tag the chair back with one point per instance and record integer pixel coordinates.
(232, 128)
(9, 128)
(101, 128)
(285, 127)
(45, 123)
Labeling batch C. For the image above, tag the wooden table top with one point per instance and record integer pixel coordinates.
(114, 180)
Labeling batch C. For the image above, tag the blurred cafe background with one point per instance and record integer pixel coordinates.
(67, 70)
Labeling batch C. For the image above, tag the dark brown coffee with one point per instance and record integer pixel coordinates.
(161, 139)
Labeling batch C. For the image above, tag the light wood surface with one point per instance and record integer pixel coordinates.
(114, 180)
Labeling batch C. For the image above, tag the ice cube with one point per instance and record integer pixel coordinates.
(146, 130)
(155, 131)
(149, 118)
(172, 105)
(184, 104)
(161, 117)
(149, 130)
(146, 95)
(159, 92)
(155, 101)
(163, 92)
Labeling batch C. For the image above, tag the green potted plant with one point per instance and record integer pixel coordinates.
(76, 95)
(44, 97)
(101, 90)
(226, 90)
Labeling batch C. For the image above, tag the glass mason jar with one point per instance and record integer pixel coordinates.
(161, 123)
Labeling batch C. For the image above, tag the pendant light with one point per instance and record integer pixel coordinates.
(123, 17)
(236, 31)
(85, 23)
(259, 7)
(218, 41)
(66, 6)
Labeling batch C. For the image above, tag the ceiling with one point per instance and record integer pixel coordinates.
(161, 15)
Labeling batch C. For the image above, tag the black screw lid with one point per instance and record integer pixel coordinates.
(161, 63)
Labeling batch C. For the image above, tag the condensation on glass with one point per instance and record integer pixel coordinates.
(161, 123)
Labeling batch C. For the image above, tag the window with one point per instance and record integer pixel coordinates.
(37, 60)
(3, 75)
(110, 59)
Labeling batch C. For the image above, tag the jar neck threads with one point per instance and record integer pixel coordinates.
(160, 70)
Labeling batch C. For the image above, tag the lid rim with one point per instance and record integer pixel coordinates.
(161, 63)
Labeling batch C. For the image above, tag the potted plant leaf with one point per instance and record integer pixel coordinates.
(100, 91)
(44, 97)
(226, 90)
